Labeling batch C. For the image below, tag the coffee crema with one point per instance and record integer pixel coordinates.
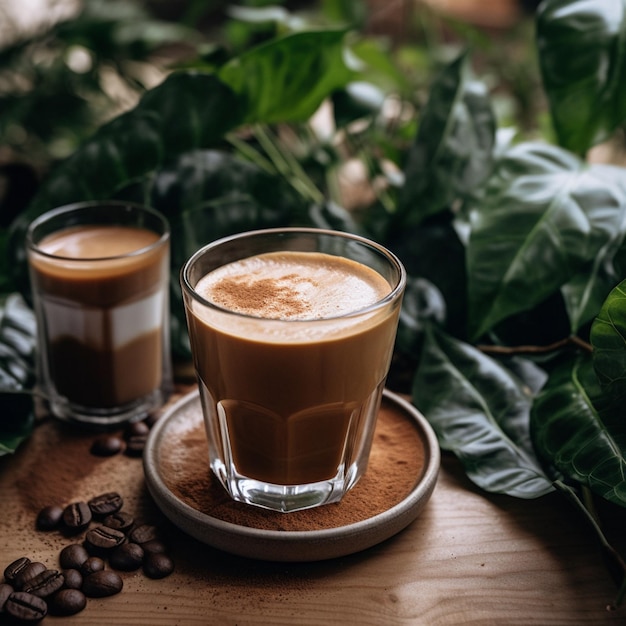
(104, 309)
(97, 241)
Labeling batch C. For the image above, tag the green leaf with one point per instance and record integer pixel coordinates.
(435, 252)
(569, 430)
(286, 79)
(208, 194)
(380, 66)
(17, 343)
(480, 411)
(608, 338)
(422, 304)
(17, 372)
(585, 293)
(582, 54)
(545, 218)
(452, 151)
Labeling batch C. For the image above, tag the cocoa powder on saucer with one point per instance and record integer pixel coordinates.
(396, 464)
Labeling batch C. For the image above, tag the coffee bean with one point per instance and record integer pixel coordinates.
(107, 445)
(143, 533)
(103, 539)
(14, 568)
(68, 602)
(135, 445)
(153, 546)
(28, 573)
(91, 565)
(152, 419)
(73, 578)
(73, 556)
(26, 607)
(127, 557)
(49, 518)
(157, 565)
(102, 584)
(119, 520)
(44, 584)
(5, 591)
(137, 429)
(106, 503)
(77, 516)
(31, 589)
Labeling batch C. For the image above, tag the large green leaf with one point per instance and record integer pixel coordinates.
(452, 151)
(287, 79)
(569, 428)
(582, 54)
(17, 343)
(17, 372)
(435, 252)
(208, 194)
(585, 292)
(545, 217)
(480, 411)
(608, 337)
(422, 304)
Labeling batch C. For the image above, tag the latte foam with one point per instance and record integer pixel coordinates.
(293, 286)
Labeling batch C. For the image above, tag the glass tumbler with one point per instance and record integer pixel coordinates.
(292, 333)
(100, 282)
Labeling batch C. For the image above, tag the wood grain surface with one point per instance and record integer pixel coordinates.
(470, 558)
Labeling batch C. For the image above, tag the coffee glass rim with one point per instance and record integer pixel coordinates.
(396, 290)
(77, 207)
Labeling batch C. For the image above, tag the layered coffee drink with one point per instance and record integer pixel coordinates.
(292, 351)
(101, 294)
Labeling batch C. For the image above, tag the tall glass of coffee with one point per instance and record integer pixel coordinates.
(100, 281)
(292, 333)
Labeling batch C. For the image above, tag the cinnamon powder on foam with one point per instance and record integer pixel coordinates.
(396, 464)
(293, 286)
(264, 297)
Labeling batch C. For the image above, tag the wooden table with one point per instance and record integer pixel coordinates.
(470, 558)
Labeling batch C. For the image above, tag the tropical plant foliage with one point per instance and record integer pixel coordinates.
(17, 353)
(514, 321)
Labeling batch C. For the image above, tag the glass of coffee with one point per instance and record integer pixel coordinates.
(292, 333)
(100, 281)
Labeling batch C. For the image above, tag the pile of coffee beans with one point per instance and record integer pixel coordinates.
(105, 541)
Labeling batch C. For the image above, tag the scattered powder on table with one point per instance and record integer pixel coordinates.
(58, 467)
(396, 464)
(57, 463)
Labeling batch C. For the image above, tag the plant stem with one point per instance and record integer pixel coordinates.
(562, 343)
(253, 155)
(615, 563)
(287, 165)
